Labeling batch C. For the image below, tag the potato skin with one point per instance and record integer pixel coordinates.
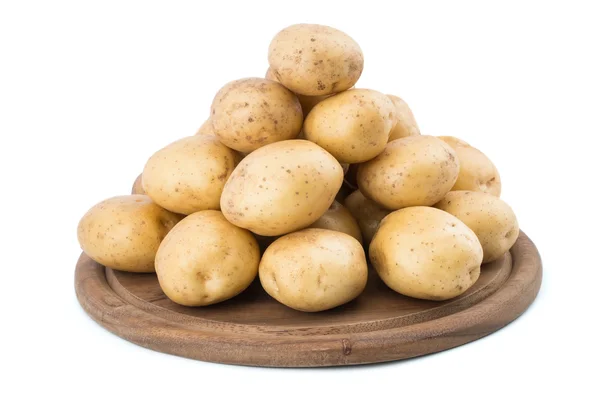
(307, 102)
(492, 220)
(338, 218)
(353, 126)
(124, 232)
(426, 253)
(314, 269)
(406, 125)
(281, 187)
(477, 172)
(205, 260)
(412, 171)
(253, 112)
(137, 187)
(315, 60)
(206, 128)
(188, 175)
(367, 213)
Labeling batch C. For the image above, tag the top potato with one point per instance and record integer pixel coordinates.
(315, 60)
(249, 113)
(477, 172)
(353, 126)
(406, 125)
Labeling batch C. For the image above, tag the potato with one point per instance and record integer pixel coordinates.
(307, 102)
(367, 213)
(314, 269)
(281, 187)
(353, 126)
(412, 171)
(137, 187)
(250, 113)
(315, 60)
(492, 220)
(477, 172)
(426, 253)
(205, 260)
(406, 125)
(338, 218)
(124, 232)
(188, 175)
(206, 128)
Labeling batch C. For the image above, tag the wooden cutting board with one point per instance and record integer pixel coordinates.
(253, 329)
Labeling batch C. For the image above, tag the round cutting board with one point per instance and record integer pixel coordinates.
(253, 329)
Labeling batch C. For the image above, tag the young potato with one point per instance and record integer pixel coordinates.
(206, 128)
(137, 187)
(314, 269)
(281, 187)
(406, 125)
(307, 102)
(412, 171)
(205, 260)
(492, 220)
(368, 214)
(315, 60)
(338, 218)
(250, 113)
(353, 126)
(124, 232)
(426, 253)
(477, 172)
(188, 175)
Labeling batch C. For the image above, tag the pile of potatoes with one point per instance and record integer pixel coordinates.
(291, 178)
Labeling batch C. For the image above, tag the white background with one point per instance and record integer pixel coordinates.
(89, 90)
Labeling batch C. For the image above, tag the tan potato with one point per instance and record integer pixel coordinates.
(314, 269)
(477, 172)
(205, 260)
(307, 102)
(137, 187)
(338, 218)
(281, 187)
(406, 125)
(315, 60)
(426, 253)
(412, 171)
(368, 214)
(353, 126)
(492, 220)
(253, 112)
(206, 128)
(188, 175)
(124, 232)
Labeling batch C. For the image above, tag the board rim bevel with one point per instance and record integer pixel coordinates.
(495, 311)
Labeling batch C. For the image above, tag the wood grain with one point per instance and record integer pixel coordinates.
(253, 329)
